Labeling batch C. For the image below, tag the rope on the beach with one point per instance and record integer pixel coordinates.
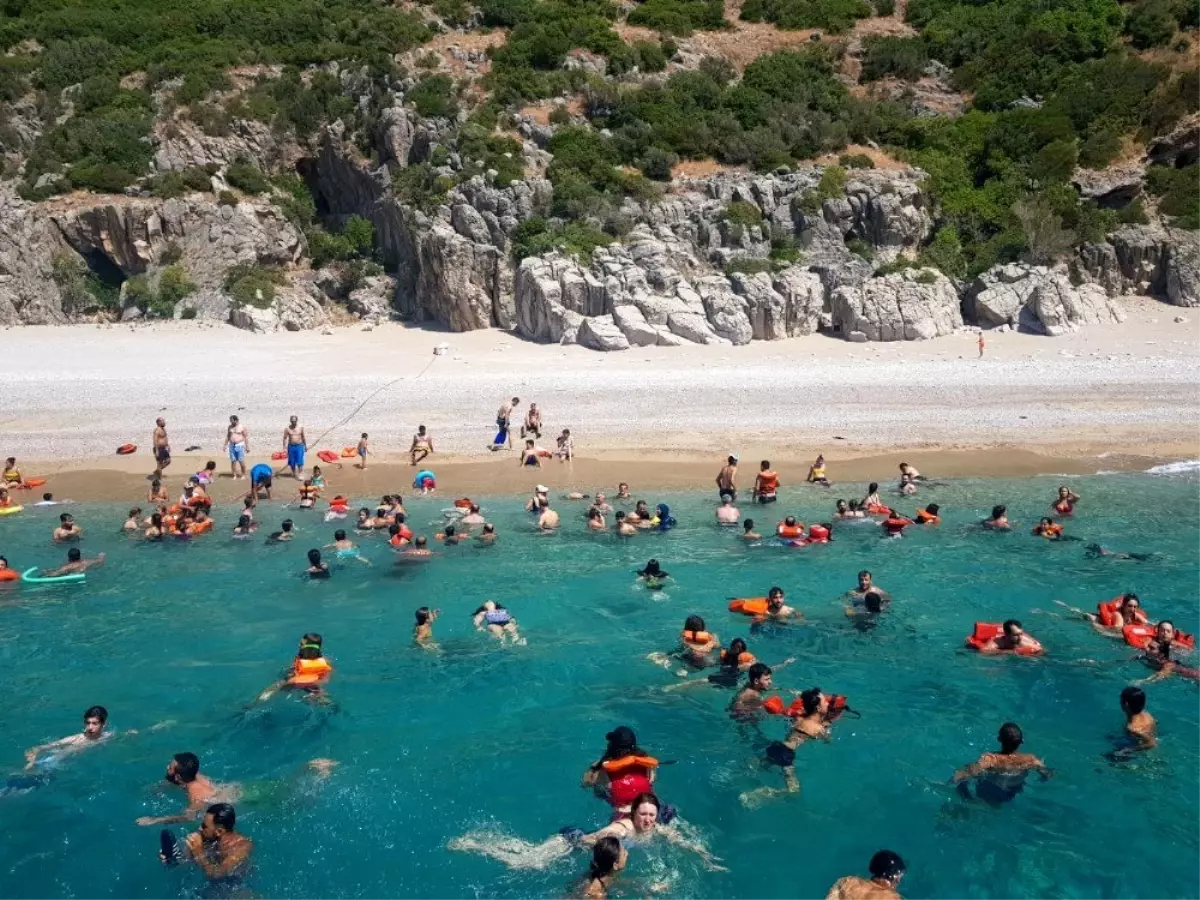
(371, 397)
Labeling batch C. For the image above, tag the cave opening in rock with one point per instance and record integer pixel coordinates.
(104, 277)
(306, 169)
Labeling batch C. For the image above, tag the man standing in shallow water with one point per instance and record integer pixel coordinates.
(727, 479)
(295, 443)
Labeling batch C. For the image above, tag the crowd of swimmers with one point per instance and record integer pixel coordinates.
(625, 774)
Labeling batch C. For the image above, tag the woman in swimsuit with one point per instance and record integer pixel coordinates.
(497, 620)
(608, 858)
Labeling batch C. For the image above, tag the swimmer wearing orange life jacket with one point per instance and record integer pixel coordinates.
(1064, 503)
(1049, 529)
(894, 525)
(310, 670)
(1011, 639)
(930, 515)
(790, 529)
(770, 607)
(766, 484)
(1109, 618)
(623, 772)
(1158, 650)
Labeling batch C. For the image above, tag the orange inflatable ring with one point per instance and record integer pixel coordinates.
(987, 631)
(837, 706)
(1138, 636)
(32, 483)
(348, 452)
(327, 456)
(278, 455)
(9, 575)
(126, 449)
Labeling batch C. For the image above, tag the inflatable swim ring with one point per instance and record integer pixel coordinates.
(126, 449)
(424, 476)
(9, 575)
(30, 576)
(10, 510)
(327, 456)
(31, 483)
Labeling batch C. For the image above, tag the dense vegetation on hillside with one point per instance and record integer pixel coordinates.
(1053, 84)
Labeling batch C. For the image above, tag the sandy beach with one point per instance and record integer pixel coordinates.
(1104, 398)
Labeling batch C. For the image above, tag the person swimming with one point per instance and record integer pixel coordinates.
(930, 515)
(344, 548)
(310, 671)
(1157, 653)
(653, 575)
(497, 621)
(894, 525)
(748, 532)
(284, 534)
(1064, 503)
(623, 772)
(1000, 777)
(886, 869)
(998, 520)
(811, 724)
(1048, 529)
(1012, 639)
(244, 527)
(423, 630)
(696, 644)
(316, 567)
(1095, 551)
(609, 857)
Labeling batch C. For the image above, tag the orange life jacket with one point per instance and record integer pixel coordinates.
(695, 638)
(790, 531)
(1139, 635)
(818, 534)
(926, 518)
(749, 606)
(310, 671)
(768, 482)
(617, 766)
(988, 631)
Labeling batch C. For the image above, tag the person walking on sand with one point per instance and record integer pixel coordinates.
(421, 443)
(160, 446)
(981, 345)
(503, 420)
(295, 444)
(727, 479)
(361, 449)
(237, 442)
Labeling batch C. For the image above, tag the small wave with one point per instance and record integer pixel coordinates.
(1176, 468)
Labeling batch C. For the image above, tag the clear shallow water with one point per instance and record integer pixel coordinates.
(480, 737)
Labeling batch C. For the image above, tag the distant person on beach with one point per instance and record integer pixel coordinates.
(12, 475)
(533, 422)
(67, 530)
(565, 446)
(184, 771)
(1000, 777)
(95, 720)
(295, 443)
(362, 450)
(766, 484)
(748, 532)
(529, 456)
(727, 513)
(727, 478)
(160, 446)
(886, 869)
(998, 520)
(911, 472)
(422, 443)
(981, 345)
(261, 478)
(220, 852)
(503, 424)
(816, 472)
(237, 442)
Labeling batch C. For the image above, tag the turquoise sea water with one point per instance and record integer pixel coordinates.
(484, 738)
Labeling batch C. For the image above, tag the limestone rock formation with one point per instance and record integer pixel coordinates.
(1038, 300)
(910, 305)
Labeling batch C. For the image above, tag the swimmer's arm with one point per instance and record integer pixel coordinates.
(1042, 769)
(592, 775)
(786, 662)
(974, 770)
(478, 620)
(34, 752)
(589, 840)
(188, 815)
(234, 860)
(710, 861)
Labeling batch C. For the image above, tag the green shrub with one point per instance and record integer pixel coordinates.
(455, 13)
(174, 285)
(138, 292)
(252, 285)
(227, 198)
(294, 199)
(884, 7)
(1151, 23)
(536, 236)
(188, 313)
(749, 266)
(560, 115)
(862, 248)
(656, 164)
(741, 213)
(784, 251)
(420, 186)
(247, 178)
(1100, 148)
(679, 17)
(361, 235)
(944, 253)
(64, 63)
(834, 16)
(1177, 192)
(433, 97)
(856, 161)
(902, 57)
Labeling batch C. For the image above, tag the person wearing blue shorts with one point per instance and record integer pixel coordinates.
(295, 443)
(260, 480)
(237, 441)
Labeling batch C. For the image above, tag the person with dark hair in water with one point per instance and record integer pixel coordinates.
(811, 724)
(1095, 551)
(316, 568)
(95, 721)
(998, 520)
(75, 565)
(608, 858)
(886, 868)
(624, 767)
(1140, 727)
(999, 777)
(1156, 653)
(653, 575)
(184, 771)
(220, 852)
(423, 630)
